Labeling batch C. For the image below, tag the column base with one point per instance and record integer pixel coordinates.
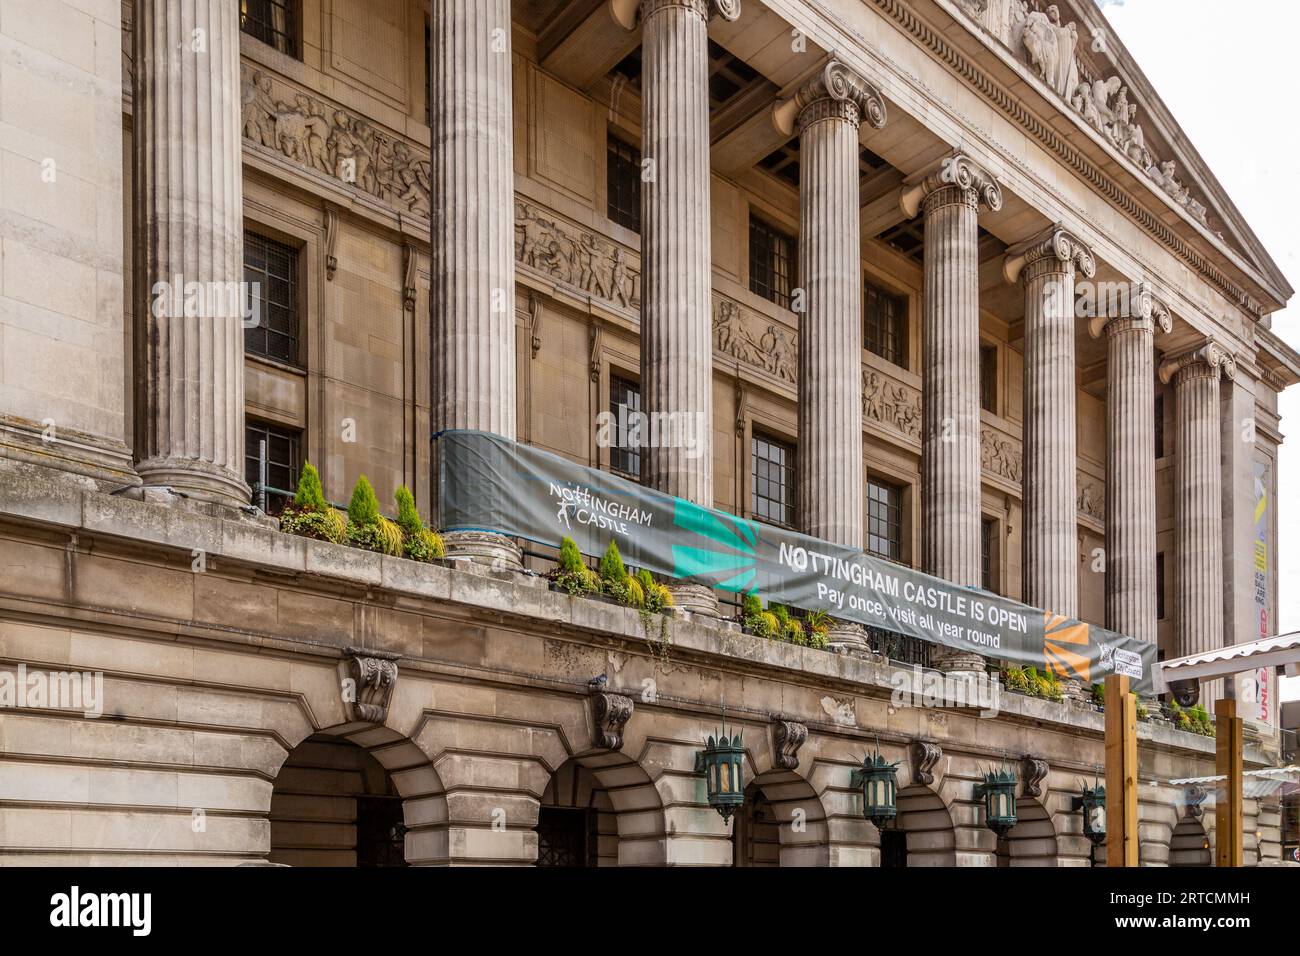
(1073, 690)
(486, 548)
(694, 598)
(192, 478)
(958, 662)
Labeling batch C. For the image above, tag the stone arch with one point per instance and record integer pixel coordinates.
(1190, 844)
(624, 812)
(782, 823)
(1032, 841)
(923, 833)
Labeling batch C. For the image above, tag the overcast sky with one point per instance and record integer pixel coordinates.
(1224, 71)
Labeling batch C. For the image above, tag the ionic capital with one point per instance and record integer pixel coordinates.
(1208, 360)
(1055, 249)
(836, 92)
(625, 12)
(1143, 311)
(958, 178)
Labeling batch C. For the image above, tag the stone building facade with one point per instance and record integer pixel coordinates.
(1037, 360)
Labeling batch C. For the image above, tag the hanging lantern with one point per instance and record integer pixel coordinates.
(999, 793)
(722, 761)
(878, 780)
(1093, 806)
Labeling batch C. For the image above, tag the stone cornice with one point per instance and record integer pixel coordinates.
(1057, 245)
(837, 85)
(958, 171)
(1209, 358)
(905, 17)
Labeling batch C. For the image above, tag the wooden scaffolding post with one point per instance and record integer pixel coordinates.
(1121, 774)
(1227, 802)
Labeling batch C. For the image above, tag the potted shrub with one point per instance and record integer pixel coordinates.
(1015, 679)
(751, 611)
(571, 574)
(367, 528)
(616, 582)
(818, 626)
(309, 515)
(419, 543)
(657, 596)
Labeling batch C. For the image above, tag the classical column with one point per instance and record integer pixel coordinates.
(1131, 465)
(827, 112)
(472, 229)
(1198, 503)
(950, 196)
(676, 263)
(1045, 266)
(190, 235)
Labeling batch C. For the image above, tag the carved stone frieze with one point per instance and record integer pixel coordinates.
(736, 333)
(332, 141)
(1092, 498)
(611, 713)
(1001, 455)
(373, 676)
(788, 736)
(925, 757)
(890, 403)
(574, 256)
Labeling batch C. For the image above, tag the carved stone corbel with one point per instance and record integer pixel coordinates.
(1034, 773)
(373, 675)
(611, 712)
(331, 241)
(535, 320)
(1195, 797)
(788, 736)
(594, 356)
(925, 757)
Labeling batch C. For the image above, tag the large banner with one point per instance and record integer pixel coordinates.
(1255, 688)
(489, 483)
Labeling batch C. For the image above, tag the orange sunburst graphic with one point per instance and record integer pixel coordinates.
(1060, 660)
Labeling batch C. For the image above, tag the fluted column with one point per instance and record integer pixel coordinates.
(676, 262)
(472, 263)
(189, 211)
(1198, 504)
(827, 112)
(950, 197)
(1131, 466)
(1045, 266)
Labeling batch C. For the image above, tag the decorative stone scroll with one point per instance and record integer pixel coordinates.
(925, 757)
(1036, 35)
(374, 675)
(890, 403)
(1210, 358)
(788, 736)
(1001, 455)
(836, 91)
(775, 350)
(611, 712)
(575, 257)
(331, 141)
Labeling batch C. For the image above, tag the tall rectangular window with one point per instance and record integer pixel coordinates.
(282, 461)
(989, 378)
(1160, 425)
(884, 519)
(1160, 586)
(274, 22)
(271, 272)
(884, 324)
(988, 553)
(773, 480)
(771, 262)
(624, 399)
(624, 182)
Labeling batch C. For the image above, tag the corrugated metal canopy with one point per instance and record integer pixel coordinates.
(1282, 650)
